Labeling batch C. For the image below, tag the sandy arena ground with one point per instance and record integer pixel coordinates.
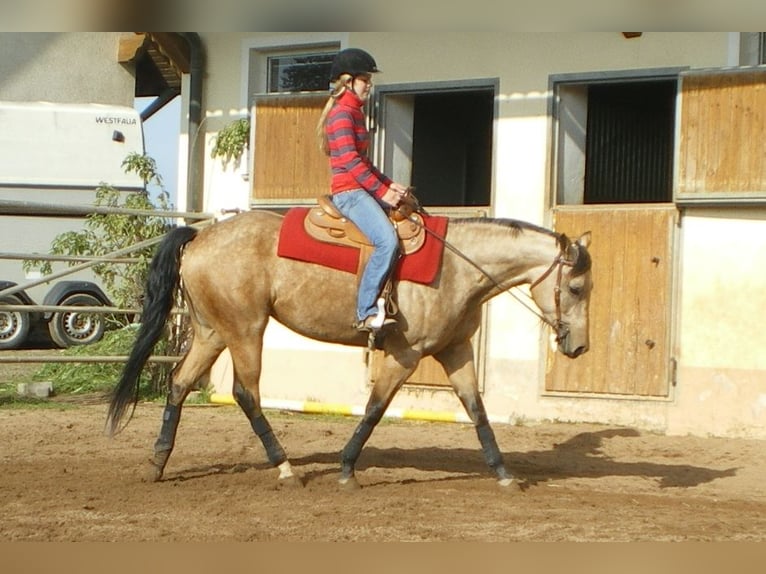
(64, 480)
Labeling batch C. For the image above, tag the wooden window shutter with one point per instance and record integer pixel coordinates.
(721, 155)
(288, 166)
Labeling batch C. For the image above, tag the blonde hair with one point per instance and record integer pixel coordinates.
(338, 87)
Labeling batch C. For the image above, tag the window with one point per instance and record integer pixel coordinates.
(288, 69)
(660, 136)
(452, 160)
(615, 139)
(299, 72)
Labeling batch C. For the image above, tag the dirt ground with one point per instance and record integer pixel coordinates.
(64, 480)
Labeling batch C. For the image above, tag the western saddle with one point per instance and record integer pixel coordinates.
(326, 224)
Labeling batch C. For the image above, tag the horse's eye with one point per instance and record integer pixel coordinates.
(575, 290)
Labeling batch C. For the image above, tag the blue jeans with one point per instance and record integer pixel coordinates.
(369, 216)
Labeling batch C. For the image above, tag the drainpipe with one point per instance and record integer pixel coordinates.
(195, 160)
(160, 102)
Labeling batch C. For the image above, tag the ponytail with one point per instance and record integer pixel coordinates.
(337, 89)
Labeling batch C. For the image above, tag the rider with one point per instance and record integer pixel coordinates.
(359, 190)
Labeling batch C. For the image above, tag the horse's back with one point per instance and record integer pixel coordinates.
(247, 235)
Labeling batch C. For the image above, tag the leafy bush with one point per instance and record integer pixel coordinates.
(107, 233)
(125, 282)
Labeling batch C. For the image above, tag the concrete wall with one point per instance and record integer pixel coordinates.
(720, 388)
(64, 67)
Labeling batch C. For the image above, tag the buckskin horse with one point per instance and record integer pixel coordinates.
(233, 281)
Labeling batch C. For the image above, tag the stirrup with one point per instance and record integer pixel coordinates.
(370, 324)
(376, 322)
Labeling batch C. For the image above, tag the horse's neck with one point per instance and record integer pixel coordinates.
(509, 256)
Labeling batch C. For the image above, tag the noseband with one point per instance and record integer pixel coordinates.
(561, 327)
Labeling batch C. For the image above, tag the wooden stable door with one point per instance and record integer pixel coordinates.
(630, 308)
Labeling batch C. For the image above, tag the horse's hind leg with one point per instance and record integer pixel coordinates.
(394, 370)
(204, 350)
(246, 357)
(458, 363)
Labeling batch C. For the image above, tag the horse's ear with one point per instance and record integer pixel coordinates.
(584, 239)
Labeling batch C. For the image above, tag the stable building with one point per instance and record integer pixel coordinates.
(652, 141)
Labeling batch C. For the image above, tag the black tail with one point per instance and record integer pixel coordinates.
(160, 292)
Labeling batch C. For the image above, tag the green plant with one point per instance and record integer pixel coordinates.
(87, 378)
(230, 143)
(104, 233)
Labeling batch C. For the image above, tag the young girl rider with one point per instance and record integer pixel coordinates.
(359, 190)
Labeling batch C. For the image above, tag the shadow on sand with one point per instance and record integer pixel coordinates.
(579, 457)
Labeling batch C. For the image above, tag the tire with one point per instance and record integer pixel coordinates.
(14, 325)
(70, 328)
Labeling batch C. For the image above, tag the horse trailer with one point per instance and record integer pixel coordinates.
(53, 156)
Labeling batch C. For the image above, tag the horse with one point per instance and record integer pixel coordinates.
(233, 282)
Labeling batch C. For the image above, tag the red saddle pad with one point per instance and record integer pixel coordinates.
(420, 267)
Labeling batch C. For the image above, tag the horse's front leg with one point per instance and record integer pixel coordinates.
(458, 363)
(260, 425)
(392, 372)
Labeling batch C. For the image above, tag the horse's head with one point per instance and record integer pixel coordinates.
(563, 294)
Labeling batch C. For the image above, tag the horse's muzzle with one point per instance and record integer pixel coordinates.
(564, 341)
(573, 354)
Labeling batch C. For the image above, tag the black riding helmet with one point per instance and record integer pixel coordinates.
(353, 61)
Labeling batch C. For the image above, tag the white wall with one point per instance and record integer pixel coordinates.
(722, 376)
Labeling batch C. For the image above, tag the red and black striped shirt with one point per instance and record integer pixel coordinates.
(349, 142)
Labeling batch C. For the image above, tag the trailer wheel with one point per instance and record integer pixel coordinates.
(70, 328)
(14, 325)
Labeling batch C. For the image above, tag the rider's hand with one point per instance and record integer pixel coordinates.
(394, 194)
(400, 189)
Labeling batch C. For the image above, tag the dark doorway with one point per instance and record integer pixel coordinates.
(452, 148)
(629, 157)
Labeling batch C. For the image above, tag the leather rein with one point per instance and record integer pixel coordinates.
(559, 262)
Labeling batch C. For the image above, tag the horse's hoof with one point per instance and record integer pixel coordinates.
(349, 484)
(510, 485)
(291, 482)
(153, 473)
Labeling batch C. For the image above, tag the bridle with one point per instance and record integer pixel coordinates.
(561, 327)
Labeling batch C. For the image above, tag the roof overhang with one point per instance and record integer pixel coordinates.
(160, 60)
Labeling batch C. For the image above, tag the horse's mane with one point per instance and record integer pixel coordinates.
(582, 262)
(515, 225)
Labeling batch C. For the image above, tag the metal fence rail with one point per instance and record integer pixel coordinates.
(16, 358)
(32, 209)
